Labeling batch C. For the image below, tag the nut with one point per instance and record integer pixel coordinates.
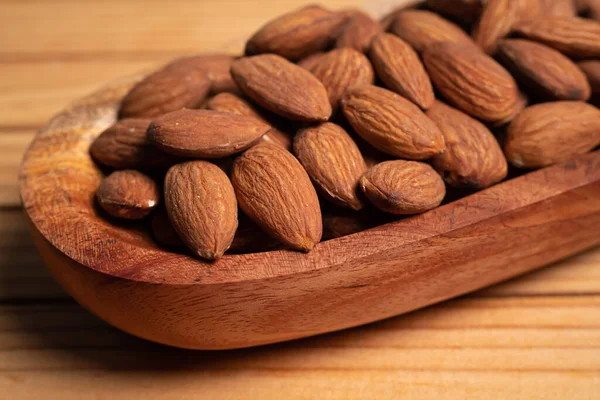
(128, 194)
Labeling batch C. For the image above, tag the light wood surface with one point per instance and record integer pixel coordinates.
(534, 337)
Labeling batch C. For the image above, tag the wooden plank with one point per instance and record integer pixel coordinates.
(475, 348)
(121, 26)
(13, 143)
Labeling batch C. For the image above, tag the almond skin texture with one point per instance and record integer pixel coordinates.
(499, 17)
(231, 103)
(128, 194)
(466, 11)
(592, 71)
(333, 162)
(421, 29)
(545, 70)
(202, 207)
(403, 187)
(275, 192)
(560, 8)
(574, 37)
(473, 157)
(358, 32)
(550, 133)
(166, 90)
(309, 62)
(282, 87)
(205, 133)
(401, 70)
(216, 66)
(472, 81)
(392, 124)
(297, 34)
(342, 69)
(125, 146)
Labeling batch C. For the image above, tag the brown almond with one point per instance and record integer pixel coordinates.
(282, 87)
(216, 66)
(249, 238)
(205, 133)
(522, 102)
(391, 124)
(472, 81)
(545, 70)
(403, 187)
(297, 34)
(574, 37)
(550, 133)
(229, 102)
(499, 17)
(592, 71)
(163, 231)
(473, 157)
(466, 11)
(387, 21)
(560, 8)
(202, 207)
(358, 32)
(125, 146)
(333, 162)
(422, 29)
(166, 90)
(274, 190)
(309, 62)
(341, 69)
(401, 70)
(128, 194)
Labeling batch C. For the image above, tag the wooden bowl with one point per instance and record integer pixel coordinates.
(119, 273)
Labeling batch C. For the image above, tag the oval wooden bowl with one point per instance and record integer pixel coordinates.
(118, 272)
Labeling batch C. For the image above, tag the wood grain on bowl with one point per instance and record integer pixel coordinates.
(121, 275)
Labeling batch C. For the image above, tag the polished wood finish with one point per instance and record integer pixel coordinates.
(246, 300)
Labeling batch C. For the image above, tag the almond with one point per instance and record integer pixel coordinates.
(125, 146)
(249, 238)
(522, 102)
(592, 71)
(166, 90)
(296, 34)
(358, 32)
(422, 29)
(216, 66)
(205, 133)
(392, 124)
(282, 87)
(128, 194)
(574, 37)
(229, 102)
(550, 133)
(472, 81)
(401, 70)
(545, 70)
(403, 187)
(309, 62)
(473, 157)
(341, 69)
(276, 193)
(560, 8)
(387, 21)
(202, 207)
(499, 17)
(339, 222)
(466, 11)
(333, 162)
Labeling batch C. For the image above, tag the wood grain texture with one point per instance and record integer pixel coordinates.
(457, 248)
(476, 347)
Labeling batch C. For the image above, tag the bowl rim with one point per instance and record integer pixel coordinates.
(58, 180)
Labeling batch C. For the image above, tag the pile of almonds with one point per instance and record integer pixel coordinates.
(332, 121)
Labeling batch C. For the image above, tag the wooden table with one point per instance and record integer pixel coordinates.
(534, 337)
